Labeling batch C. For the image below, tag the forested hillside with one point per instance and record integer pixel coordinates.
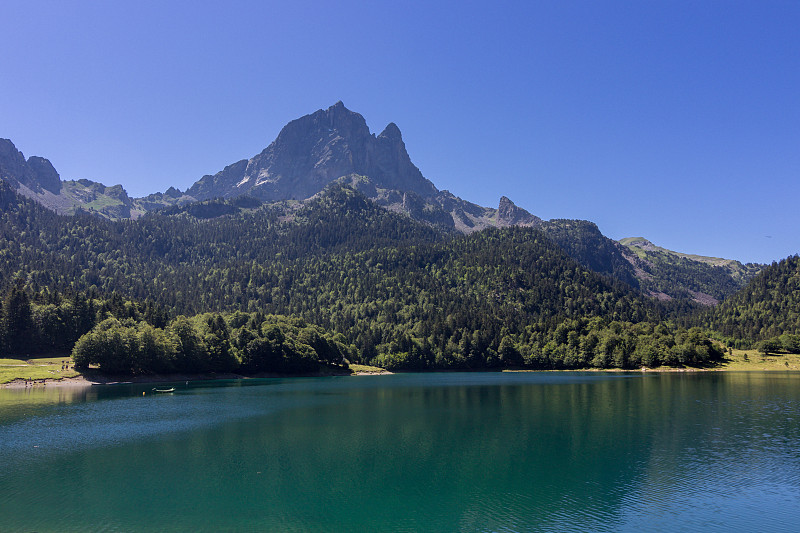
(768, 307)
(707, 280)
(583, 241)
(187, 264)
(311, 154)
(655, 271)
(125, 337)
(401, 293)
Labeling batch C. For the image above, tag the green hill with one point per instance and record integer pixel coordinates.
(667, 274)
(403, 294)
(769, 306)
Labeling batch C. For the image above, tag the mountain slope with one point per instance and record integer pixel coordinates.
(35, 174)
(311, 152)
(665, 273)
(336, 145)
(37, 179)
(767, 307)
(583, 241)
(382, 280)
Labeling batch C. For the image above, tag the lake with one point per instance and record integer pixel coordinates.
(443, 452)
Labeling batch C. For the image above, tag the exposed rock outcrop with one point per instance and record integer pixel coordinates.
(46, 175)
(508, 214)
(310, 153)
(36, 173)
(313, 151)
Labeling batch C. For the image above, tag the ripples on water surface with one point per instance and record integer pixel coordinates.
(414, 452)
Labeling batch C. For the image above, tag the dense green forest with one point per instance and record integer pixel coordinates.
(583, 241)
(378, 287)
(767, 308)
(124, 337)
(211, 342)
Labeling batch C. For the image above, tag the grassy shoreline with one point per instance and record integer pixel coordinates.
(746, 360)
(50, 371)
(18, 373)
(40, 369)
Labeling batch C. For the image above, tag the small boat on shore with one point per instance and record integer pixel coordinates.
(164, 390)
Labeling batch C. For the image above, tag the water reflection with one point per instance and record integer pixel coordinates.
(442, 452)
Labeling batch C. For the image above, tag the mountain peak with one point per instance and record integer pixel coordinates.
(338, 111)
(313, 151)
(639, 242)
(46, 175)
(509, 214)
(391, 132)
(36, 173)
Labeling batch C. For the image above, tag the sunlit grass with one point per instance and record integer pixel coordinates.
(51, 367)
(753, 360)
(35, 369)
(366, 369)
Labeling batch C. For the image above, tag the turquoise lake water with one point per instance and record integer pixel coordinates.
(408, 452)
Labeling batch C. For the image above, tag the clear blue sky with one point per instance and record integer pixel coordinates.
(678, 120)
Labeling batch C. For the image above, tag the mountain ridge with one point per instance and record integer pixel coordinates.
(308, 154)
(314, 150)
(335, 146)
(665, 273)
(332, 145)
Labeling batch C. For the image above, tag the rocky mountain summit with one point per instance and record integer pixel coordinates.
(313, 151)
(37, 179)
(509, 214)
(36, 174)
(335, 145)
(329, 146)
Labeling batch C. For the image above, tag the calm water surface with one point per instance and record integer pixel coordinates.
(412, 452)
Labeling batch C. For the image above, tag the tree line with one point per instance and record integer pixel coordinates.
(397, 292)
(768, 307)
(212, 343)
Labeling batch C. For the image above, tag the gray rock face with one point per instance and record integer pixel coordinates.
(508, 214)
(313, 151)
(222, 184)
(328, 146)
(36, 173)
(46, 175)
(13, 167)
(335, 145)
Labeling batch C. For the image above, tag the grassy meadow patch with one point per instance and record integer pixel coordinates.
(366, 369)
(35, 369)
(753, 360)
